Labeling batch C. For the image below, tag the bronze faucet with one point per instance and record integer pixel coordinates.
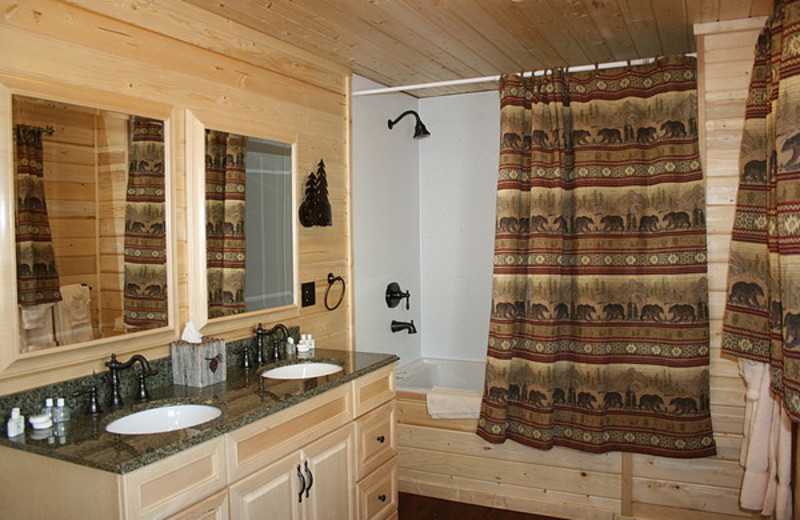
(115, 366)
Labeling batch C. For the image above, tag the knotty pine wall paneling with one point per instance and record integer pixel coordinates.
(152, 57)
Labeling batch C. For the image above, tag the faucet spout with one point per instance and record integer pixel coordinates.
(408, 326)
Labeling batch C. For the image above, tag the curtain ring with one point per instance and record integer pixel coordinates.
(331, 281)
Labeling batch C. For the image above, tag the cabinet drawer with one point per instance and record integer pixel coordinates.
(214, 507)
(372, 390)
(377, 493)
(266, 440)
(375, 438)
(173, 484)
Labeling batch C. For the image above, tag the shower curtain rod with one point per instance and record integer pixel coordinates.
(487, 79)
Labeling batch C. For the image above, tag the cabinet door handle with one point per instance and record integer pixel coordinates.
(381, 439)
(382, 498)
(310, 479)
(302, 484)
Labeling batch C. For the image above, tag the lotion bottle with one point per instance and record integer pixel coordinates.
(16, 424)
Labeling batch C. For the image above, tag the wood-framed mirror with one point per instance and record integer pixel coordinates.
(242, 203)
(88, 224)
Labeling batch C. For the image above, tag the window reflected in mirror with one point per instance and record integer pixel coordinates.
(90, 223)
(249, 226)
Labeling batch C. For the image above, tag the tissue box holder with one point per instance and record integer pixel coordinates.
(199, 364)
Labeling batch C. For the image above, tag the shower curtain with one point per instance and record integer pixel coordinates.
(37, 277)
(599, 334)
(761, 324)
(145, 286)
(225, 219)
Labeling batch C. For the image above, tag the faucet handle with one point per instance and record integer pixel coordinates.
(92, 407)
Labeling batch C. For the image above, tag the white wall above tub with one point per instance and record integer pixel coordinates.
(458, 181)
(386, 227)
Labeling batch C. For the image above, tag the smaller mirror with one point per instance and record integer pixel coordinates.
(249, 224)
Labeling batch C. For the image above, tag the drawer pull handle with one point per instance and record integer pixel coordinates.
(310, 479)
(382, 498)
(381, 439)
(302, 484)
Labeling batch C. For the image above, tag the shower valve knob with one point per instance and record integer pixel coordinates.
(394, 296)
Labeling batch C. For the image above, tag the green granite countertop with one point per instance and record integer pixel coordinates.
(245, 397)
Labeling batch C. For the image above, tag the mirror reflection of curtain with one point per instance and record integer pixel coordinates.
(145, 287)
(225, 222)
(599, 334)
(37, 277)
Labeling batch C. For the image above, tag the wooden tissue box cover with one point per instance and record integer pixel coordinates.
(198, 364)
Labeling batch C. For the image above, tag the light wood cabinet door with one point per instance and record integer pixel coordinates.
(329, 461)
(312, 484)
(271, 493)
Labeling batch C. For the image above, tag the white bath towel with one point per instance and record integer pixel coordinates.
(766, 447)
(453, 403)
(36, 316)
(36, 322)
(73, 315)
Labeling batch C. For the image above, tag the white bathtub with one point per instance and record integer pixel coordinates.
(420, 375)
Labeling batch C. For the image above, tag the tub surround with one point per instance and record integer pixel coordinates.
(241, 398)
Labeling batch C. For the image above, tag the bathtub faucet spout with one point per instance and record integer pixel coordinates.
(397, 326)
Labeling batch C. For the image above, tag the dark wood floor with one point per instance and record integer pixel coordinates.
(415, 507)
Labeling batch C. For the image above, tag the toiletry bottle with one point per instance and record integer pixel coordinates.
(61, 411)
(16, 424)
(48, 408)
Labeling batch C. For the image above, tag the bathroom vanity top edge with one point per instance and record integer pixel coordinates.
(244, 398)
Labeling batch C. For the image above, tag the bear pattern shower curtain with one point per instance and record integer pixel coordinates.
(599, 335)
(226, 176)
(145, 259)
(762, 313)
(37, 276)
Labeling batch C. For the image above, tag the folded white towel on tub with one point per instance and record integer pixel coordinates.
(453, 403)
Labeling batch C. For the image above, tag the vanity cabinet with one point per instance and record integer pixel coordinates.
(343, 439)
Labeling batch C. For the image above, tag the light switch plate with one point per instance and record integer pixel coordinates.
(308, 294)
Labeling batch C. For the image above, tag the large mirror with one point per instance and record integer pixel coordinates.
(246, 200)
(90, 223)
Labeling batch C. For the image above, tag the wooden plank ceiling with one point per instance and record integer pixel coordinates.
(403, 42)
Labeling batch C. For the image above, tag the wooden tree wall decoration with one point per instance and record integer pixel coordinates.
(315, 209)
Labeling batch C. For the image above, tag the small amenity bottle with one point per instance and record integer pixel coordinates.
(16, 424)
(48, 408)
(61, 411)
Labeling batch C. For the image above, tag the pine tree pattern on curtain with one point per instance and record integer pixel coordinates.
(599, 335)
(145, 256)
(225, 220)
(37, 276)
(762, 313)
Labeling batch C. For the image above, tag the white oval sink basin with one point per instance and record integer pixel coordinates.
(302, 371)
(163, 419)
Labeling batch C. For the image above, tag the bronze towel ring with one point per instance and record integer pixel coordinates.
(331, 281)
